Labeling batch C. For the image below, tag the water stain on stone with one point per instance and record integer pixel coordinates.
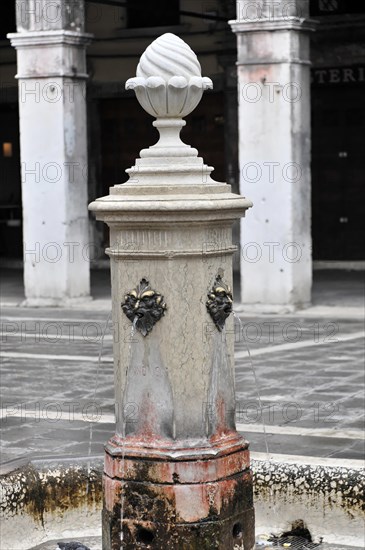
(49, 491)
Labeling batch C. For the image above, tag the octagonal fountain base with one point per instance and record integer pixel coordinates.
(183, 499)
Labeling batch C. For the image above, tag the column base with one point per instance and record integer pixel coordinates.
(194, 499)
(57, 302)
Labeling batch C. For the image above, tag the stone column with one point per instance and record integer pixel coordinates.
(50, 45)
(274, 151)
(176, 471)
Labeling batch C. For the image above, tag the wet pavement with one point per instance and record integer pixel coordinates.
(299, 377)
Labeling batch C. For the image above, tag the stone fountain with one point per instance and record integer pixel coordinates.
(177, 473)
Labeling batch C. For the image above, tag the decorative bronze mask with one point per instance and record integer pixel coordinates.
(220, 302)
(144, 307)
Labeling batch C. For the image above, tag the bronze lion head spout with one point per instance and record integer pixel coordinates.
(144, 307)
(220, 302)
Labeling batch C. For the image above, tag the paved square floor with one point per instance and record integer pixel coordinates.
(299, 377)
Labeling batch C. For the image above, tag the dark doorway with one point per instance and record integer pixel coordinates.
(205, 131)
(10, 188)
(338, 175)
(159, 13)
(125, 129)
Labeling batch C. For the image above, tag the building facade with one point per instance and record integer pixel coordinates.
(117, 128)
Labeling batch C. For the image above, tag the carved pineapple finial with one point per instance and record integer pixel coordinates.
(169, 83)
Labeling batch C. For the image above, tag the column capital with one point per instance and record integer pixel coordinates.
(51, 54)
(277, 24)
(30, 39)
(270, 41)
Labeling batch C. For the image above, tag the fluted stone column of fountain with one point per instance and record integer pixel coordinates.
(176, 471)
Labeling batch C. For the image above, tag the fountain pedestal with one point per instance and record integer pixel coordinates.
(176, 471)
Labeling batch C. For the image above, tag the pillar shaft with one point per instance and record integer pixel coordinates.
(274, 151)
(50, 45)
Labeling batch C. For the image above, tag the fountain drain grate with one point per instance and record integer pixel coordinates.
(291, 543)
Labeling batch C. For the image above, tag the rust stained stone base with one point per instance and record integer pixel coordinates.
(197, 498)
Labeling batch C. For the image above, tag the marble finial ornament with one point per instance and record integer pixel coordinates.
(169, 83)
(169, 86)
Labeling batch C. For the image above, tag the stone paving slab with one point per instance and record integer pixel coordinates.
(310, 388)
(308, 370)
(80, 439)
(46, 326)
(331, 288)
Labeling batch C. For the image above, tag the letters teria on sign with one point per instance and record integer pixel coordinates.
(339, 75)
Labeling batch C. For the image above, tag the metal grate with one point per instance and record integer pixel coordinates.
(289, 543)
(297, 543)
